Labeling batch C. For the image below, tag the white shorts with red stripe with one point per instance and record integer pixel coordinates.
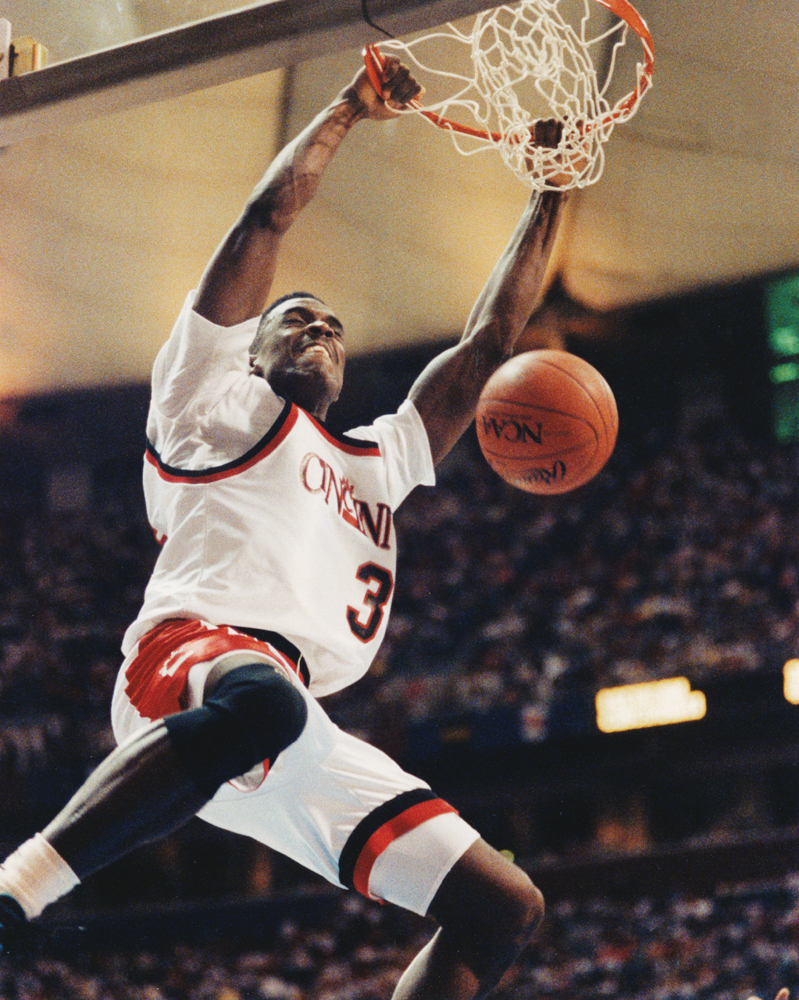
(331, 802)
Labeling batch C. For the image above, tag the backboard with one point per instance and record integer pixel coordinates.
(106, 57)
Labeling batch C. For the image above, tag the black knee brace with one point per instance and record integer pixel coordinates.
(252, 715)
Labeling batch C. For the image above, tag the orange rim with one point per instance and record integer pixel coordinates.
(374, 61)
(625, 10)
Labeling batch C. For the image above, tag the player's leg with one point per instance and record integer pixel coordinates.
(139, 792)
(415, 851)
(156, 782)
(153, 785)
(342, 808)
(487, 909)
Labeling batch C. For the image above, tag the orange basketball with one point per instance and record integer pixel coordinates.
(547, 421)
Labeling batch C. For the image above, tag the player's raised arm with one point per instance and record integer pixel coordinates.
(447, 391)
(237, 281)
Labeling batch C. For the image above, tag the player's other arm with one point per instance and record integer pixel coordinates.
(238, 279)
(447, 391)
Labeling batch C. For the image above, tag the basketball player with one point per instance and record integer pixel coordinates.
(274, 585)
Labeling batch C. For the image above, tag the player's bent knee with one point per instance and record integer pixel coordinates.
(268, 710)
(530, 907)
(252, 715)
(521, 910)
(490, 897)
(488, 909)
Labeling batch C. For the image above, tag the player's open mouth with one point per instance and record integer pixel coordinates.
(316, 347)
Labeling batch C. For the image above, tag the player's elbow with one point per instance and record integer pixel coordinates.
(488, 345)
(267, 212)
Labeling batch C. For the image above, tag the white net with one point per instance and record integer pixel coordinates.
(487, 84)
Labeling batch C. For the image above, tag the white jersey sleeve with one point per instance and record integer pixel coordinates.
(189, 365)
(404, 442)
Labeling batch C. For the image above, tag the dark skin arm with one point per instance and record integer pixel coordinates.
(447, 391)
(236, 284)
(238, 280)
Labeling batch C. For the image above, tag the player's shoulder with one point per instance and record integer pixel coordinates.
(405, 419)
(200, 363)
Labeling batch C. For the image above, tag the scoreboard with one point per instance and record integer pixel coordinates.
(782, 331)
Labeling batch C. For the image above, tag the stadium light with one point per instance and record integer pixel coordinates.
(790, 681)
(652, 703)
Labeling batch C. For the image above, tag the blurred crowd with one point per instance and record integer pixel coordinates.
(682, 557)
(70, 583)
(742, 941)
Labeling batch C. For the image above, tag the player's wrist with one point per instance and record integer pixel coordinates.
(350, 107)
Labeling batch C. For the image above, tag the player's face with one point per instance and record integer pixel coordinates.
(302, 354)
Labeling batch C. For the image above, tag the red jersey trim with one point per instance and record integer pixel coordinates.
(350, 446)
(269, 442)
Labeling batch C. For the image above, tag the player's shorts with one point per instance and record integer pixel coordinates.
(330, 801)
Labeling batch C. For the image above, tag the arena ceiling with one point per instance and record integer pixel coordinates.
(108, 222)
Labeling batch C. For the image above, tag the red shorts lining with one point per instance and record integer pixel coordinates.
(157, 675)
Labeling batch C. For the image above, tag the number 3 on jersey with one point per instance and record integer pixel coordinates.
(379, 585)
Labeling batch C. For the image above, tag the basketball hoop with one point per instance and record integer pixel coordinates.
(522, 63)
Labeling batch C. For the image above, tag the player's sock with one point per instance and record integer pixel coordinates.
(35, 875)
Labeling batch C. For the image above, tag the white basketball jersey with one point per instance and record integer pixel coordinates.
(267, 520)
